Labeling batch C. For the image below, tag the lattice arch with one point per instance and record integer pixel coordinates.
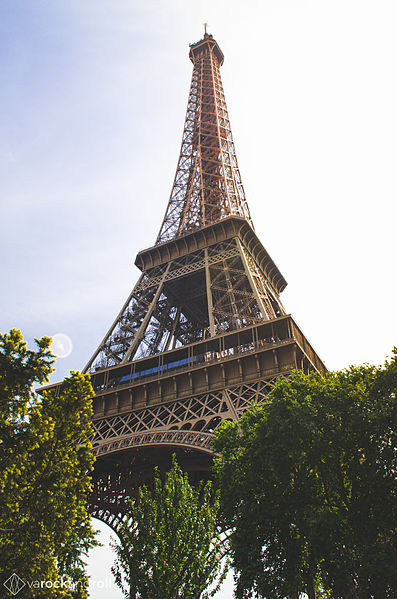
(175, 423)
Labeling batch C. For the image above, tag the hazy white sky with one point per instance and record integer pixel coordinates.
(91, 115)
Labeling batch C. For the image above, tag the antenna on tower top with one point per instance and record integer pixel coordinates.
(205, 28)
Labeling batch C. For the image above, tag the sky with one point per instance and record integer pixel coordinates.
(92, 110)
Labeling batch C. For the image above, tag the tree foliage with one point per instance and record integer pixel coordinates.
(169, 544)
(45, 464)
(308, 481)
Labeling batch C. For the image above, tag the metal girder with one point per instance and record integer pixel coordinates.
(197, 413)
(268, 296)
(186, 439)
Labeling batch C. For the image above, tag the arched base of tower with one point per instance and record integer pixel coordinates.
(117, 476)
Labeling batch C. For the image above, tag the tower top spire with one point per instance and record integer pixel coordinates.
(204, 46)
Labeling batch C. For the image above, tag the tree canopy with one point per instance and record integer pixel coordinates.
(169, 545)
(308, 484)
(45, 464)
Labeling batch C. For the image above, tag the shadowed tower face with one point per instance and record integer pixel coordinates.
(203, 333)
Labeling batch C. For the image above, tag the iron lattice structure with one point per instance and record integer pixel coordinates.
(216, 288)
(203, 333)
(207, 185)
(207, 188)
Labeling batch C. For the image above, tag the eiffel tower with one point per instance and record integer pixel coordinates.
(203, 333)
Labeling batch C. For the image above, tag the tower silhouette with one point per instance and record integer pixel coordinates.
(203, 333)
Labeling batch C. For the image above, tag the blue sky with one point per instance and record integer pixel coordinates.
(91, 115)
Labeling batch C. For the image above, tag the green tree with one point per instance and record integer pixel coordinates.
(308, 483)
(170, 546)
(45, 464)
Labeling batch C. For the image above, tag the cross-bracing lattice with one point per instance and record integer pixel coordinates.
(190, 298)
(207, 185)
